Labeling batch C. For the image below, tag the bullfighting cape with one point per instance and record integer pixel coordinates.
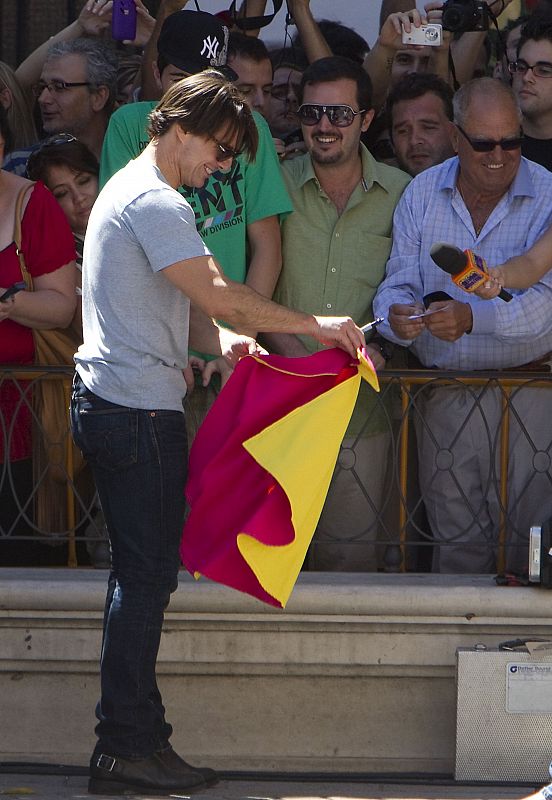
(261, 465)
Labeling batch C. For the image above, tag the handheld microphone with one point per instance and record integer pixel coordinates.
(467, 270)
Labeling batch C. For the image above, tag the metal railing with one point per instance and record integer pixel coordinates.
(401, 529)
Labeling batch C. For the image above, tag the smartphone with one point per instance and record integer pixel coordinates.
(424, 35)
(123, 20)
(13, 289)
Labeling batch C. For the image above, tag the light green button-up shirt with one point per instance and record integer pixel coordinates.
(333, 265)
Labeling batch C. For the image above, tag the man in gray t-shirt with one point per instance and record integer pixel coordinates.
(135, 323)
(144, 264)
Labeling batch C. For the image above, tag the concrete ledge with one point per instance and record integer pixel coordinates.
(356, 674)
(317, 593)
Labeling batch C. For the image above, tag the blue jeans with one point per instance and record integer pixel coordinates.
(139, 461)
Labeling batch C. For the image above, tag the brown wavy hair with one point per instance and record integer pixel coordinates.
(206, 104)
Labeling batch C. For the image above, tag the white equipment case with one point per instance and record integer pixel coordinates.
(504, 714)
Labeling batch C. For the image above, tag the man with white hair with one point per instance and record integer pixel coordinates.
(488, 199)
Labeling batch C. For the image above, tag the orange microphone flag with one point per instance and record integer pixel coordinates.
(261, 465)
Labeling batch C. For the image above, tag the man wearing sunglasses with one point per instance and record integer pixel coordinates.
(150, 286)
(335, 246)
(532, 83)
(491, 200)
(237, 210)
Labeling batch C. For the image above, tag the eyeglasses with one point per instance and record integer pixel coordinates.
(542, 69)
(56, 87)
(488, 145)
(224, 152)
(340, 116)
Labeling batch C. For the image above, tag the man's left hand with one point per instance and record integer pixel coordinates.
(234, 346)
(452, 322)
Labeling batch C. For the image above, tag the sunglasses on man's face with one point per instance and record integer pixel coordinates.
(224, 152)
(488, 145)
(340, 116)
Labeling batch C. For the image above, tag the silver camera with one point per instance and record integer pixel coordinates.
(425, 34)
(540, 554)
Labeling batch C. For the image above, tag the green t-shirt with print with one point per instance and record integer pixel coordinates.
(227, 203)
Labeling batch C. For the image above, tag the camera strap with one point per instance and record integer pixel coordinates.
(252, 23)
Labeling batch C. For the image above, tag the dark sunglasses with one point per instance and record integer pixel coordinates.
(488, 145)
(224, 153)
(340, 116)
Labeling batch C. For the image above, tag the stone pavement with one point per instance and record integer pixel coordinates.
(72, 786)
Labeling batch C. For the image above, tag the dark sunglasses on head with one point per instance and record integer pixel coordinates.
(488, 145)
(53, 141)
(224, 152)
(340, 116)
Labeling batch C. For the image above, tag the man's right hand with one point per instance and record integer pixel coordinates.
(401, 325)
(391, 32)
(339, 332)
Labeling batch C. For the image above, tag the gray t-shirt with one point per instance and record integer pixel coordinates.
(135, 321)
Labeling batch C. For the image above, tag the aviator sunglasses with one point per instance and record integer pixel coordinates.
(488, 145)
(340, 116)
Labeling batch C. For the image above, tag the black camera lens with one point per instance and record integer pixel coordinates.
(454, 18)
(460, 16)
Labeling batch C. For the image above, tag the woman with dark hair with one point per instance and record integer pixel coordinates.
(70, 171)
(49, 252)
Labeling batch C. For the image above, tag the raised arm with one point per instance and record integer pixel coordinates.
(93, 20)
(252, 8)
(379, 61)
(312, 39)
(150, 88)
(466, 50)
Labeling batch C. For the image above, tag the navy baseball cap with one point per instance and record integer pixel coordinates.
(194, 41)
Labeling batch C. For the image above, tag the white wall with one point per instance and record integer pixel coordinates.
(362, 15)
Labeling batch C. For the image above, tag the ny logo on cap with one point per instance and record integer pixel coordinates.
(210, 47)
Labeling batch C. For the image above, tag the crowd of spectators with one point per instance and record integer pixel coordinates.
(367, 156)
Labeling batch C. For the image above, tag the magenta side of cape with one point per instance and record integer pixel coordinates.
(227, 490)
